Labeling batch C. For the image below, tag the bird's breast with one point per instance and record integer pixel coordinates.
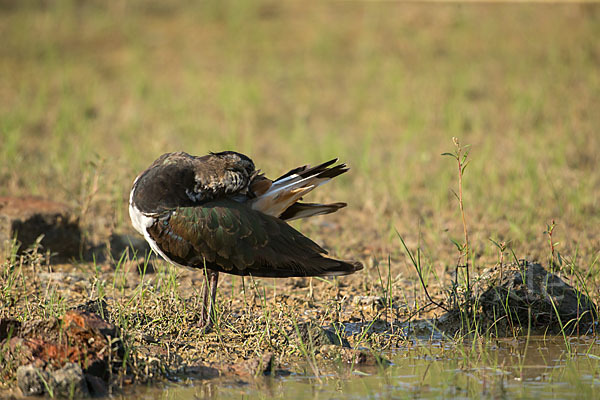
(139, 220)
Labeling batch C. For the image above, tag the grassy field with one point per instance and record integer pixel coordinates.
(92, 92)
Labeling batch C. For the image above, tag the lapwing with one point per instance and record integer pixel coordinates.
(217, 213)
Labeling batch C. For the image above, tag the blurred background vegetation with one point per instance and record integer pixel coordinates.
(91, 92)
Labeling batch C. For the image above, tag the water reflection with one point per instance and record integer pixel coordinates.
(538, 367)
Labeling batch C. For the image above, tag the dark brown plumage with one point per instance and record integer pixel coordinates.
(218, 213)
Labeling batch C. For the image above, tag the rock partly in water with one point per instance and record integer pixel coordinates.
(515, 298)
(28, 218)
(200, 371)
(258, 366)
(528, 295)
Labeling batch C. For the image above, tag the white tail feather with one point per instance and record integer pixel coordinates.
(288, 189)
(282, 194)
(275, 202)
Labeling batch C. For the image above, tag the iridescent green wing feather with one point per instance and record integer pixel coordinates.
(231, 237)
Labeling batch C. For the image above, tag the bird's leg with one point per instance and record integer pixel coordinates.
(209, 293)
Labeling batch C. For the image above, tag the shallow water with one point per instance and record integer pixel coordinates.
(518, 368)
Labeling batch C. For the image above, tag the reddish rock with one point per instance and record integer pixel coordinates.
(79, 341)
(29, 217)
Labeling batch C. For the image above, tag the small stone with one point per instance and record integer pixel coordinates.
(31, 380)
(69, 382)
(313, 335)
(253, 367)
(375, 302)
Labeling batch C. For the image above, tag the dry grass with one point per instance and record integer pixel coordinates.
(105, 90)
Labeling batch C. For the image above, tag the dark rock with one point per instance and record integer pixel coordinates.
(94, 307)
(28, 218)
(313, 335)
(96, 386)
(513, 299)
(32, 380)
(9, 328)
(526, 294)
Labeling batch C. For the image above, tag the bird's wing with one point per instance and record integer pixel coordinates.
(231, 237)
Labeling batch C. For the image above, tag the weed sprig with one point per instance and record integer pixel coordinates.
(460, 154)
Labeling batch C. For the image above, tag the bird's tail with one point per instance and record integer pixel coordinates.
(322, 266)
(343, 268)
(280, 198)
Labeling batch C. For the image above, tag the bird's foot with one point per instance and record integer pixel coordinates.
(205, 325)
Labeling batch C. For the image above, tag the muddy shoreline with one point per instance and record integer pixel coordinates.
(140, 324)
